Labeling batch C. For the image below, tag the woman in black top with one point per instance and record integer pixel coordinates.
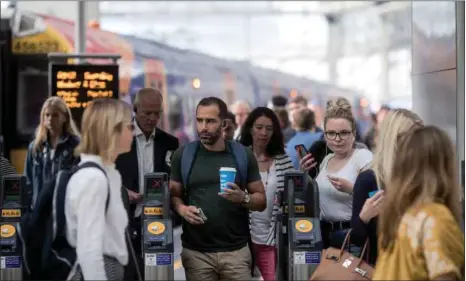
(368, 188)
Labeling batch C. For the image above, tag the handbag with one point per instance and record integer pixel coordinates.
(338, 264)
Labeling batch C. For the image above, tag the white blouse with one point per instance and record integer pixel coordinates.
(336, 205)
(92, 231)
(260, 221)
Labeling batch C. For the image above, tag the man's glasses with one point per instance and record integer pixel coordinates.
(332, 135)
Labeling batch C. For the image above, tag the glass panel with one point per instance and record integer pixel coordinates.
(434, 36)
(32, 92)
(434, 99)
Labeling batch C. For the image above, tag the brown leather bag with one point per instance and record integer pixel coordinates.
(337, 264)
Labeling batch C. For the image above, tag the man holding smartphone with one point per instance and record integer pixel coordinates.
(215, 223)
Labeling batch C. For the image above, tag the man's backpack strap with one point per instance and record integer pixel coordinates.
(187, 160)
(241, 160)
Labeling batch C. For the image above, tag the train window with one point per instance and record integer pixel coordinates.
(25, 24)
(32, 92)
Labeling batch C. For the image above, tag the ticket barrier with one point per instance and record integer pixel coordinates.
(13, 204)
(157, 232)
(298, 233)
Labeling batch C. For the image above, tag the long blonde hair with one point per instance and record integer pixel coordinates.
(68, 127)
(423, 171)
(396, 122)
(102, 123)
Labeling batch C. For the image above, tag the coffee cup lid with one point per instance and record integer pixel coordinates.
(227, 169)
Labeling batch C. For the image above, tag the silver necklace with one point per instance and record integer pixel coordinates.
(267, 179)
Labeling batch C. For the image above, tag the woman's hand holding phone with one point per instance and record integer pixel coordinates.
(307, 162)
(371, 207)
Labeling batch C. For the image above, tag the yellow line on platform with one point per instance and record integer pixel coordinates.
(177, 265)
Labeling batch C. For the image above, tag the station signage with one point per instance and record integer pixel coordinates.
(79, 84)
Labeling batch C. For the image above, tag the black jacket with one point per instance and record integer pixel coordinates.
(127, 163)
(365, 183)
(41, 169)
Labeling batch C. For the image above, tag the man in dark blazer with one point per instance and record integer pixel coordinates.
(151, 151)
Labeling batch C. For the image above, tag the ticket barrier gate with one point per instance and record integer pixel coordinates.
(13, 204)
(298, 233)
(157, 232)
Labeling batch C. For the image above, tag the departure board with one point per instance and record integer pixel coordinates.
(78, 84)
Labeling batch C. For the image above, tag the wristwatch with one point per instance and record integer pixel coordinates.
(246, 198)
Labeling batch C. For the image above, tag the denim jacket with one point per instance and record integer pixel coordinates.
(41, 168)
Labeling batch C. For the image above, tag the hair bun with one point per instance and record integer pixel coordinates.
(338, 103)
(340, 108)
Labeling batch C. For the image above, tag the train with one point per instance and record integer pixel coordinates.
(184, 76)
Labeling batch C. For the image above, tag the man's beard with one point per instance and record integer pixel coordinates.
(210, 138)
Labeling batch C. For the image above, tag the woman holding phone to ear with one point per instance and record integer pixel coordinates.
(368, 189)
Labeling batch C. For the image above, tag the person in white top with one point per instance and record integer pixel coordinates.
(99, 234)
(338, 171)
(262, 132)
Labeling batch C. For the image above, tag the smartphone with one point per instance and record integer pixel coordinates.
(372, 193)
(301, 150)
(201, 214)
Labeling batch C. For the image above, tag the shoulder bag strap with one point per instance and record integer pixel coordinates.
(241, 160)
(187, 160)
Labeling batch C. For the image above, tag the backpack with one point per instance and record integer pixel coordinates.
(239, 154)
(46, 252)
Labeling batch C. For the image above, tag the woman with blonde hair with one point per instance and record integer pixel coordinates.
(52, 148)
(368, 188)
(96, 218)
(338, 172)
(419, 224)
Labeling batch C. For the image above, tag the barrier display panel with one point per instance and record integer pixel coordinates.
(299, 238)
(13, 204)
(157, 232)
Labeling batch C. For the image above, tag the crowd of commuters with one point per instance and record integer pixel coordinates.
(394, 186)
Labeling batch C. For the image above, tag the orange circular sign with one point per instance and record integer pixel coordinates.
(7, 231)
(156, 228)
(303, 226)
